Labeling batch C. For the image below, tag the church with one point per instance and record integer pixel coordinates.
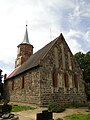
(52, 74)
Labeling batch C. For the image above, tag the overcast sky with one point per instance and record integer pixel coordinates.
(46, 20)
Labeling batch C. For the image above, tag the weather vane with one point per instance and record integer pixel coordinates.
(26, 23)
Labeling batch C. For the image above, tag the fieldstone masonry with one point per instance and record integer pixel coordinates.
(52, 81)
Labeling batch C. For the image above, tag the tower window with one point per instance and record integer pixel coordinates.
(66, 80)
(18, 51)
(23, 82)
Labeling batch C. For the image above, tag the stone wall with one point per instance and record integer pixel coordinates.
(66, 64)
(27, 92)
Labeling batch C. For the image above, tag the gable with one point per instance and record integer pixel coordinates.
(60, 56)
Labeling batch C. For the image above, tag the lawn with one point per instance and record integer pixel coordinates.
(16, 108)
(78, 117)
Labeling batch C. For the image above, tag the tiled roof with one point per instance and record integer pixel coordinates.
(33, 61)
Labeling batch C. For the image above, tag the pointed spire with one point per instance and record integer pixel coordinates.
(26, 39)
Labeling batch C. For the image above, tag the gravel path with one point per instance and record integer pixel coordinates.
(31, 114)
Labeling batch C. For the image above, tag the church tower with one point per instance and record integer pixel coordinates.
(25, 50)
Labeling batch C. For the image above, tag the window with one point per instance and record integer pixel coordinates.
(66, 80)
(18, 51)
(75, 81)
(23, 82)
(63, 55)
(13, 85)
(69, 61)
(55, 77)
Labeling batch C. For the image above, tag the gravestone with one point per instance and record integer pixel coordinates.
(45, 115)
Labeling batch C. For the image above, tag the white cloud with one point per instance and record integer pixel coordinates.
(42, 15)
(72, 39)
(74, 45)
(79, 13)
(7, 55)
(56, 4)
(74, 16)
(87, 36)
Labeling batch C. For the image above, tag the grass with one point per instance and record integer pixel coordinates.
(78, 117)
(16, 108)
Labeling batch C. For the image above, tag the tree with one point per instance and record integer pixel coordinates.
(0, 75)
(84, 62)
(1, 85)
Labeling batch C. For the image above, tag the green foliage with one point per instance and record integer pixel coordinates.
(77, 105)
(84, 62)
(59, 119)
(16, 108)
(78, 117)
(54, 107)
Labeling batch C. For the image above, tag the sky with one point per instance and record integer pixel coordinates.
(46, 19)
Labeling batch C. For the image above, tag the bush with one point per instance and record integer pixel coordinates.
(77, 105)
(59, 119)
(54, 107)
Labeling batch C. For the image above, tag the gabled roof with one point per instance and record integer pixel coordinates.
(34, 60)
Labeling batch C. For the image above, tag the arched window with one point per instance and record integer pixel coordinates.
(66, 80)
(23, 82)
(55, 78)
(75, 81)
(12, 84)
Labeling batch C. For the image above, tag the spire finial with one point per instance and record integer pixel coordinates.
(26, 39)
(26, 23)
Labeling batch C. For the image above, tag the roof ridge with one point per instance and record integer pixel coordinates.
(34, 60)
(51, 46)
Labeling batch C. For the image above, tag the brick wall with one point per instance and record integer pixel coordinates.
(24, 52)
